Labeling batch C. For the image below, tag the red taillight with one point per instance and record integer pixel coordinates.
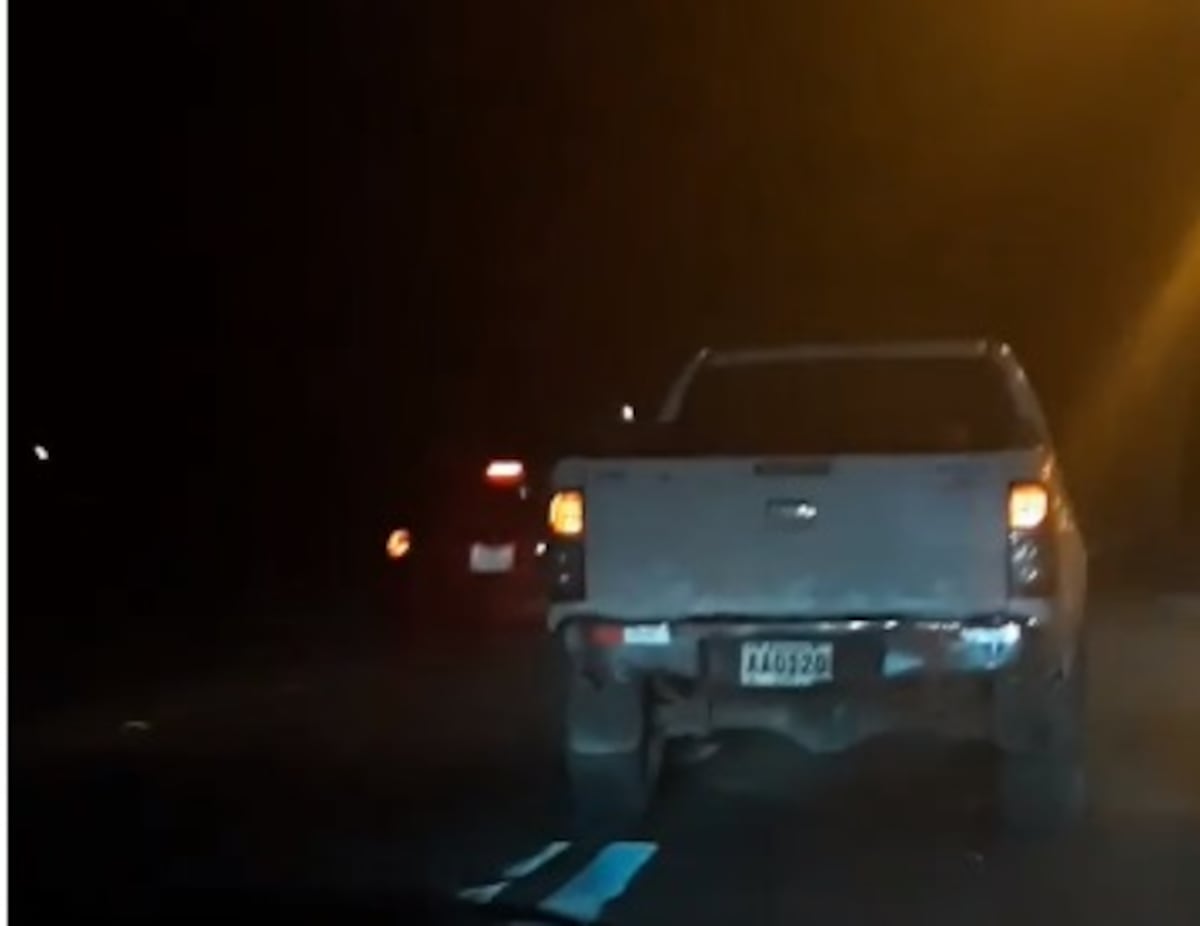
(1032, 552)
(505, 472)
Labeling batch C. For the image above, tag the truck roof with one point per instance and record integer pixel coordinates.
(945, 349)
(853, 350)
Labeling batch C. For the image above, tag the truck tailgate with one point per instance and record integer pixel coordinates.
(905, 535)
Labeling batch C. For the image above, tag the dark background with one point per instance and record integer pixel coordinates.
(267, 256)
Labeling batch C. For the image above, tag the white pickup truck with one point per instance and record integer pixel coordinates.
(829, 542)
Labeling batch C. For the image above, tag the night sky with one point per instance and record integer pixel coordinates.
(267, 254)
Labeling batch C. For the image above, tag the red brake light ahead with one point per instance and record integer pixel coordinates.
(504, 472)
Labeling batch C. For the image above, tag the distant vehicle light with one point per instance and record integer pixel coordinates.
(399, 543)
(566, 513)
(505, 472)
(1028, 505)
(539, 548)
(42, 454)
(628, 415)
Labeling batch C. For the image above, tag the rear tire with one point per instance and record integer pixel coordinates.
(1041, 794)
(610, 792)
(1043, 782)
(613, 757)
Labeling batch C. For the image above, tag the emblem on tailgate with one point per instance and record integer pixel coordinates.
(791, 512)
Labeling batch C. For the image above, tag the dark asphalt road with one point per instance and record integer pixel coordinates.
(396, 765)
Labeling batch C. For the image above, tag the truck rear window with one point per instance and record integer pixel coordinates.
(951, 405)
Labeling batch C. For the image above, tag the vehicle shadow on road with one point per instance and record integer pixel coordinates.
(900, 830)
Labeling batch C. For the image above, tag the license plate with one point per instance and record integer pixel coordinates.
(493, 558)
(786, 663)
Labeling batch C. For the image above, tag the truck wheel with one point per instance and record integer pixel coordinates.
(613, 758)
(1043, 786)
(1041, 794)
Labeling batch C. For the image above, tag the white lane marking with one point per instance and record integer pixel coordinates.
(602, 880)
(486, 893)
(526, 867)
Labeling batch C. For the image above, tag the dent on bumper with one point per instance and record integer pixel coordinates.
(961, 649)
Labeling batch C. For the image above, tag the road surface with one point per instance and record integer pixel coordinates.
(433, 764)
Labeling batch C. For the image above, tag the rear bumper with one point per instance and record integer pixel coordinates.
(888, 676)
(872, 649)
